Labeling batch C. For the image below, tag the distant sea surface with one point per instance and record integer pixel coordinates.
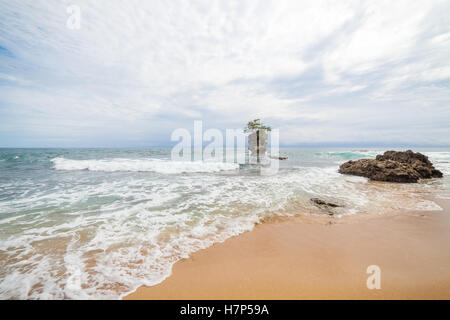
(98, 223)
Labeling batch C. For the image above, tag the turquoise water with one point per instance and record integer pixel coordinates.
(97, 223)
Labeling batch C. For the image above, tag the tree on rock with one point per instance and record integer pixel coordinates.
(257, 139)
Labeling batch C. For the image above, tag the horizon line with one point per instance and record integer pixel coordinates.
(281, 146)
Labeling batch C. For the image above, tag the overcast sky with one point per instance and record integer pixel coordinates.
(323, 72)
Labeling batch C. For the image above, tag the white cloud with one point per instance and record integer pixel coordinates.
(142, 68)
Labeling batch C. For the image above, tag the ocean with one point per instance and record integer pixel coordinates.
(98, 223)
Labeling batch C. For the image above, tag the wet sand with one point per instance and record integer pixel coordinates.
(298, 258)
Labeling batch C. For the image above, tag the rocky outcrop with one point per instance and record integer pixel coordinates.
(322, 203)
(393, 166)
(388, 170)
(325, 206)
(417, 161)
(279, 158)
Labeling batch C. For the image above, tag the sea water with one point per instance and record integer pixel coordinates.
(98, 223)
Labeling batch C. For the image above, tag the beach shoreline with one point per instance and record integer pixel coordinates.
(320, 258)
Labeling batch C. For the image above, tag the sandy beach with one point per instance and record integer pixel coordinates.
(320, 258)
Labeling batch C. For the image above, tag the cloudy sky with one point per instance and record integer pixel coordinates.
(323, 72)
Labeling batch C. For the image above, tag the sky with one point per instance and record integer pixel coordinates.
(362, 73)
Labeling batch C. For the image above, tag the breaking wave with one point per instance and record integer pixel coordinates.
(143, 165)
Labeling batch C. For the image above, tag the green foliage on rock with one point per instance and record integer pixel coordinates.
(255, 125)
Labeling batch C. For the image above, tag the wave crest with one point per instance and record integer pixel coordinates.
(143, 165)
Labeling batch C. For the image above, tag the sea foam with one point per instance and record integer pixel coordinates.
(143, 165)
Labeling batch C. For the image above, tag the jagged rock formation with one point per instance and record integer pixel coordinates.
(279, 158)
(393, 166)
(325, 206)
(322, 203)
